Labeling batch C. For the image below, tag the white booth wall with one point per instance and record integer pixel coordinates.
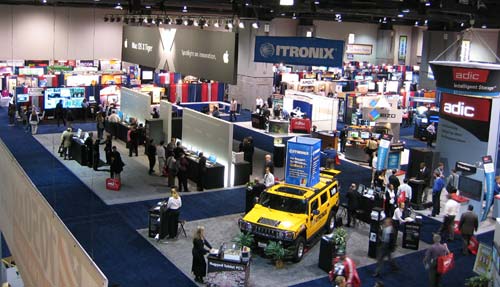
(324, 110)
(166, 116)
(210, 135)
(135, 104)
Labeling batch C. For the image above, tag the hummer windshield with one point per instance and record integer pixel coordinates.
(283, 203)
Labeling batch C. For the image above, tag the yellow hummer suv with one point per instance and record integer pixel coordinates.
(294, 215)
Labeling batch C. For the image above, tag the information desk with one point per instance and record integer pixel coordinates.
(78, 151)
(223, 273)
(355, 150)
(328, 138)
(278, 126)
(215, 173)
(258, 121)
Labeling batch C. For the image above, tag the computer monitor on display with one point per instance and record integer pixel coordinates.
(212, 158)
(365, 135)
(354, 134)
(470, 188)
(376, 136)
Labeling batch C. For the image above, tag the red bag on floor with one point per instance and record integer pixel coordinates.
(337, 160)
(456, 229)
(113, 184)
(473, 245)
(445, 263)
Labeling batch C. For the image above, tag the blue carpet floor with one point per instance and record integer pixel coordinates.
(44, 128)
(119, 251)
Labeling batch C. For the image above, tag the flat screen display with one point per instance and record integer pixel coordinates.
(71, 97)
(23, 98)
(365, 135)
(376, 136)
(147, 75)
(354, 134)
(470, 188)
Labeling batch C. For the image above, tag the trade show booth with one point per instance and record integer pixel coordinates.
(322, 111)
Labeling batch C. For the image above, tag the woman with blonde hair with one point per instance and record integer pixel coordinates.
(199, 267)
(173, 205)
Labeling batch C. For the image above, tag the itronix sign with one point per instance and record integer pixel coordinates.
(206, 54)
(299, 51)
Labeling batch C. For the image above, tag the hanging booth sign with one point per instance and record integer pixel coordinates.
(303, 161)
(299, 51)
(383, 150)
(359, 49)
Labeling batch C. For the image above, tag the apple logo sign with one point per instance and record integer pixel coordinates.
(225, 57)
(125, 43)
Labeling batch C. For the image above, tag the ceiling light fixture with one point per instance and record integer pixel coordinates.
(230, 24)
(427, 4)
(216, 24)
(148, 7)
(241, 25)
(255, 25)
(286, 2)
(184, 9)
(118, 6)
(401, 15)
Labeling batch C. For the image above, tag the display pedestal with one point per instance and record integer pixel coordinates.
(326, 252)
(78, 151)
(154, 225)
(417, 187)
(411, 235)
(377, 216)
(222, 272)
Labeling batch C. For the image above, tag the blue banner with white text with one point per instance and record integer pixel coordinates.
(303, 161)
(489, 176)
(299, 51)
(383, 150)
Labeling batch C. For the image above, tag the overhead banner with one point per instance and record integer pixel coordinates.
(299, 51)
(467, 78)
(303, 161)
(383, 149)
(205, 54)
(489, 176)
(359, 49)
(383, 115)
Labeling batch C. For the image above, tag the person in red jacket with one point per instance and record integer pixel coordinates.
(345, 266)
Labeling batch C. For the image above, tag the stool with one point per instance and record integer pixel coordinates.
(181, 226)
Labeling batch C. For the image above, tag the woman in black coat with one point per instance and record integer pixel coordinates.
(199, 268)
(117, 164)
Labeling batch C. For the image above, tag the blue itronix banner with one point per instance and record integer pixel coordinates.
(303, 161)
(299, 51)
(489, 175)
(383, 149)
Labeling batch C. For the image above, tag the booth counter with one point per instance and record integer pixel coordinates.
(355, 150)
(224, 272)
(78, 151)
(214, 177)
(258, 121)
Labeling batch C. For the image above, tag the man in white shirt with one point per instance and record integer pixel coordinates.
(114, 118)
(160, 153)
(451, 209)
(232, 110)
(259, 102)
(406, 188)
(268, 178)
(374, 165)
(431, 132)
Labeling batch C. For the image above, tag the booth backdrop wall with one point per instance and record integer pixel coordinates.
(43, 33)
(166, 116)
(46, 252)
(135, 104)
(209, 135)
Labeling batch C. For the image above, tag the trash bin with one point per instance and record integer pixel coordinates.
(326, 252)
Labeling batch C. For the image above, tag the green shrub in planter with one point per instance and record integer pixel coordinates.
(478, 281)
(244, 239)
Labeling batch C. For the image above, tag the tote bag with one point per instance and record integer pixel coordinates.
(445, 263)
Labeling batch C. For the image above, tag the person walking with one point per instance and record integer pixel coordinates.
(424, 175)
(172, 170)
(89, 145)
(69, 118)
(199, 265)
(160, 153)
(66, 137)
(33, 121)
(85, 109)
(452, 180)
(59, 113)
(233, 107)
(431, 132)
(117, 164)
(202, 170)
(151, 156)
(248, 150)
(170, 148)
(371, 147)
(352, 204)
(451, 209)
(386, 247)
(343, 139)
(182, 173)
(437, 187)
(12, 114)
(394, 180)
(100, 126)
(345, 266)
(133, 141)
(467, 226)
(430, 260)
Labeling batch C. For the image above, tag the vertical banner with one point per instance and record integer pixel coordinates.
(303, 161)
(489, 175)
(402, 48)
(383, 149)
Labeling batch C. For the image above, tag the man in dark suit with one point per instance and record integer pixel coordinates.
(343, 139)
(468, 224)
(352, 205)
(425, 175)
(394, 180)
(202, 170)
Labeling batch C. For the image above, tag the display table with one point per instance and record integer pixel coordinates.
(411, 234)
(117, 130)
(355, 150)
(242, 172)
(365, 206)
(278, 126)
(300, 125)
(328, 138)
(222, 272)
(78, 151)
(258, 121)
(215, 173)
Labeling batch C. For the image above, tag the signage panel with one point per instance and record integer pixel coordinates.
(359, 49)
(467, 78)
(299, 51)
(303, 161)
(489, 177)
(383, 150)
(205, 54)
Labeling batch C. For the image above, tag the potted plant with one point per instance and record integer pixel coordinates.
(277, 252)
(339, 238)
(478, 281)
(244, 239)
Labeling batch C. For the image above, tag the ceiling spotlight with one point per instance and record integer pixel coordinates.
(294, 17)
(400, 15)
(148, 7)
(106, 18)
(178, 21)
(229, 24)
(484, 26)
(255, 25)
(427, 4)
(241, 25)
(286, 2)
(406, 11)
(118, 6)
(416, 23)
(216, 24)
(184, 9)
(195, 23)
